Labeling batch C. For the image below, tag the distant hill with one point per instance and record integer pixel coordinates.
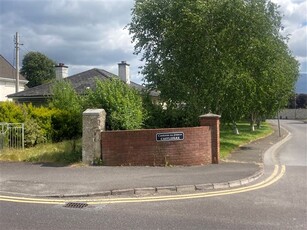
(301, 84)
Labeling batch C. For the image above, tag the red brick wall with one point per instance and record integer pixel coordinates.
(213, 121)
(139, 147)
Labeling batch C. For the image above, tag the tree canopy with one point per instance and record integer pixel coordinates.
(65, 97)
(225, 56)
(37, 68)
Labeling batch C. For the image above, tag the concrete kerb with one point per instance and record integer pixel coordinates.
(129, 191)
(166, 189)
(162, 189)
(270, 154)
(186, 188)
(144, 191)
(202, 187)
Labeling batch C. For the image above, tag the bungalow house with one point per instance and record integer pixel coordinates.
(8, 79)
(39, 95)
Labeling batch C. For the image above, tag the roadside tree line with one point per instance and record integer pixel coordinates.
(226, 56)
(298, 101)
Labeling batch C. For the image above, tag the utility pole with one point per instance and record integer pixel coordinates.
(17, 61)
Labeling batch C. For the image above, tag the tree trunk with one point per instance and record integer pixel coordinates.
(252, 122)
(235, 128)
(258, 123)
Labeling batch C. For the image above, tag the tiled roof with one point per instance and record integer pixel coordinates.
(80, 83)
(7, 70)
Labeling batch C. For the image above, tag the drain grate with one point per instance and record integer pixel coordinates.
(75, 205)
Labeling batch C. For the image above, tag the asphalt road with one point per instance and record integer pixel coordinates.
(278, 205)
(294, 153)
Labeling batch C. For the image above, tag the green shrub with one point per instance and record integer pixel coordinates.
(65, 97)
(66, 126)
(42, 117)
(169, 117)
(67, 121)
(11, 112)
(155, 116)
(37, 121)
(34, 134)
(122, 104)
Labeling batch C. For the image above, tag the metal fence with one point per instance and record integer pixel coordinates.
(11, 135)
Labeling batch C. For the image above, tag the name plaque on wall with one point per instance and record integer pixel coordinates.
(174, 136)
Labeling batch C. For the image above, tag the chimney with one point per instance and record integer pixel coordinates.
(61, 71)
(124, 72)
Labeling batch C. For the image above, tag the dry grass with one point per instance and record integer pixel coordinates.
(63, 152)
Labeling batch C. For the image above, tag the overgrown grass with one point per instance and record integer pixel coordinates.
(65, 152)
(230, 141)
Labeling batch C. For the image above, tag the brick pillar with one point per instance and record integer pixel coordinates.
(93, 122)
(213, 121)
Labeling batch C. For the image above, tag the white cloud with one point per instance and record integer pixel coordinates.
(81, 33)
(295, 23)
(89, 33)
(298, 42)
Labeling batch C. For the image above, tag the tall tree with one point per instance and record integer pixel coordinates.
(37, 68)
(222, 55)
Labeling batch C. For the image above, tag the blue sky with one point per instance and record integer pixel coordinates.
(87, 34)
(301, 84)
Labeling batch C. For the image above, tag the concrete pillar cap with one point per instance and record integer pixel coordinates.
(89, 112)
(210, 115)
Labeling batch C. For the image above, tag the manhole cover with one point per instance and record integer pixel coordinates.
(75, 205)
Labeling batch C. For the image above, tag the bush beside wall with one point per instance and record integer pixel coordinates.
(42, 124)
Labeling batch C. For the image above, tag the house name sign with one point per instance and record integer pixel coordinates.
(172, 136)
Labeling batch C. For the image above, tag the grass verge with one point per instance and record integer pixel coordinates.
(230, 141)
(66, 152)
